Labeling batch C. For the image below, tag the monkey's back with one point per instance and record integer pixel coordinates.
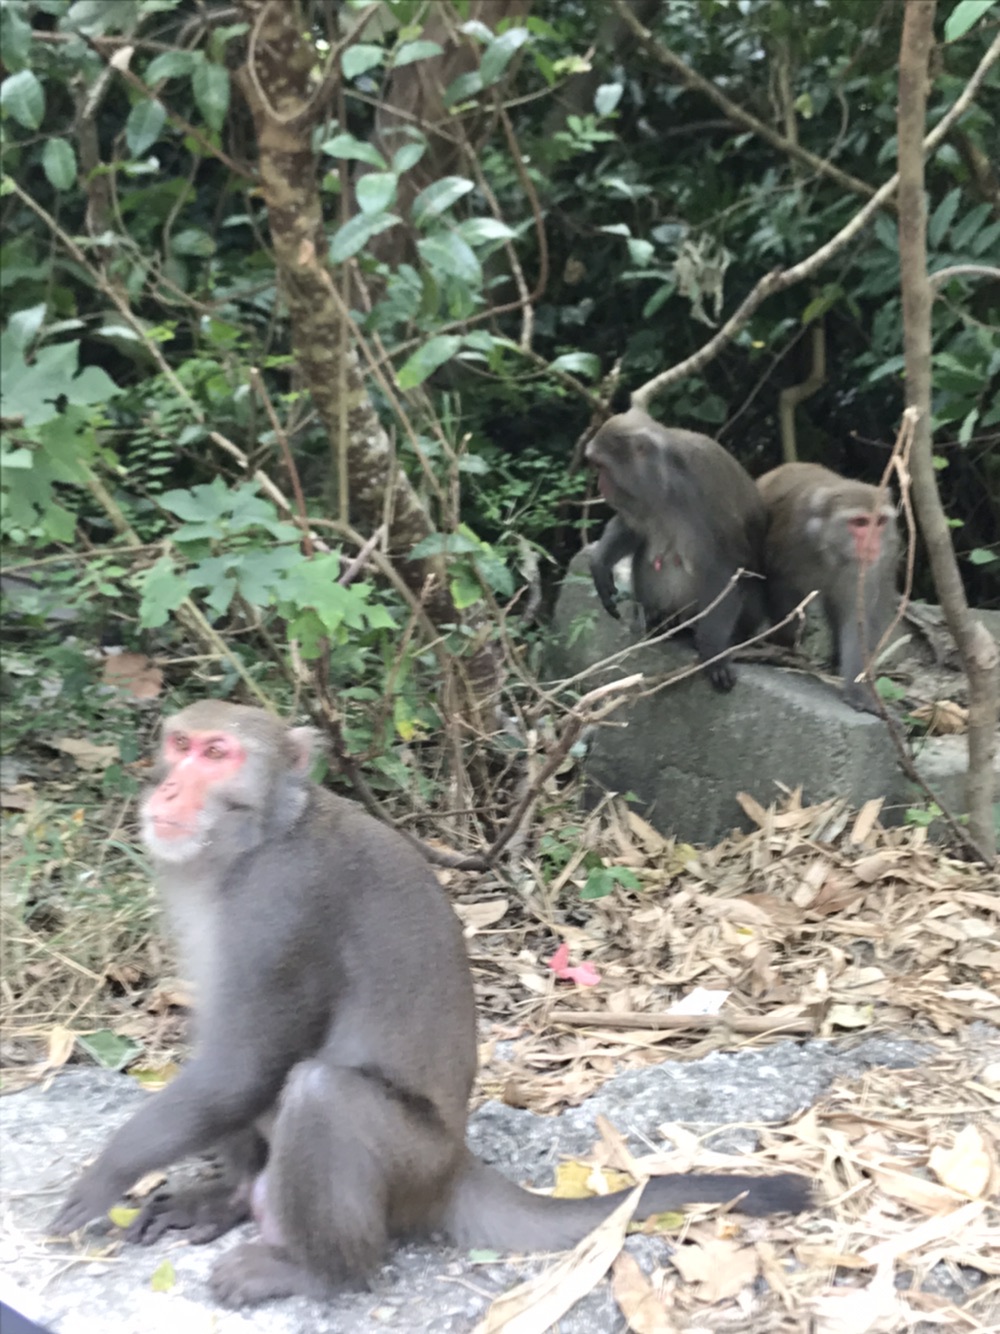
(800, 497)
(383, 973)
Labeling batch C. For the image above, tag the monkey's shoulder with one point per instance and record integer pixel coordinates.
(336, 835)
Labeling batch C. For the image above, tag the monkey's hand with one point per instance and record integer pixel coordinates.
(202, 1213)
(91, 1197)
(608, 594)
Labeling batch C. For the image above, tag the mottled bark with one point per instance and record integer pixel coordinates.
(977, 647)
(282, 98)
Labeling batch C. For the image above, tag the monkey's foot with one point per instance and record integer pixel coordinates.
(202, 1213)
(253, 1273)
(721, 676)
(862, 699)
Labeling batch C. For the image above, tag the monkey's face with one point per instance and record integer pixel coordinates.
(853, 535)
(629, 467)
(199, 775)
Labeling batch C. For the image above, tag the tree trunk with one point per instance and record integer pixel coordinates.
(978, 649)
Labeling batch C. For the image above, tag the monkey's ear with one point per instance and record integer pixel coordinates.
(305, 742)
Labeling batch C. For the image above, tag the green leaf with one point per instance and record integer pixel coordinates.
(211, 91)
(963, 232)
(578, 363)
(15, 37)
(640, 252)
(411, 51)
(448, 255)
(357, 232)
(499, 54)
(22, 96)
(963, 16)
(359, 59)
(193, 241)
(444, 544)
(376, 190)
(164, 1277)
(347, 146)
(425, 361)
(968, 426)
(942, 216)
(477, 230)
(465, 589)
(108, 1048)
(659, 298)
(142, 129)
(163, 591)
(407, 156)
(439, 196)
(602, 880)
(59, 164)
(982, 556)
(462, 89)
(170, 65)
(607, 98)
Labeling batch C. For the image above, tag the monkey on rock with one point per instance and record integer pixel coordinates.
(689, 518)
(335, 1036)
(838, 537)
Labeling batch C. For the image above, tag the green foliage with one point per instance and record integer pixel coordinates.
(658, 216)
(604, 880)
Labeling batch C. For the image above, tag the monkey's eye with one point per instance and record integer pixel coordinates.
(179, 741)
(216, 750)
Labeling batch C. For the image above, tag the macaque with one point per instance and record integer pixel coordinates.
(689, 517)
(335, 1035)
(827, 533)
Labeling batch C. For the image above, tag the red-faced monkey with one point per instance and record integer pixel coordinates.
(824, 532)
(335, 1035)
(689, 517)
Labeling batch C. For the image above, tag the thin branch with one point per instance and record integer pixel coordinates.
(942, 276)
(778, 280)
(691, 79)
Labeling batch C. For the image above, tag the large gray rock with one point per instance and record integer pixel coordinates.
(687, 751)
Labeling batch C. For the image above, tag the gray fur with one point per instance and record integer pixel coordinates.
(689, 516)
(808, 546)
(336, 1013)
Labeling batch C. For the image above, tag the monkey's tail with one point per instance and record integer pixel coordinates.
(488, 1210)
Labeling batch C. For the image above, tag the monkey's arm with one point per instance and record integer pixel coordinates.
(615, 543)
(234, 1078)
(210, 1207)
(853, 649)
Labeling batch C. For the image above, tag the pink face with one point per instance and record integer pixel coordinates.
(195, 761)
(866, 532)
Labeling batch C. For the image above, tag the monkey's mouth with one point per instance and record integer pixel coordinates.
(605, 485)
(167, 830)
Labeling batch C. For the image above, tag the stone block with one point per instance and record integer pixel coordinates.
(687, 751)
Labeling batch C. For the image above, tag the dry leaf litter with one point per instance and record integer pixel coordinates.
(819, 923)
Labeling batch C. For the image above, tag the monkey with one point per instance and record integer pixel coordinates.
(689, 517)
(334, 1035)
(824, 532)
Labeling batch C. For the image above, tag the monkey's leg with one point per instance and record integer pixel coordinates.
(714, 633)
(353, 1159)
(781, 602)
(207, 1209)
